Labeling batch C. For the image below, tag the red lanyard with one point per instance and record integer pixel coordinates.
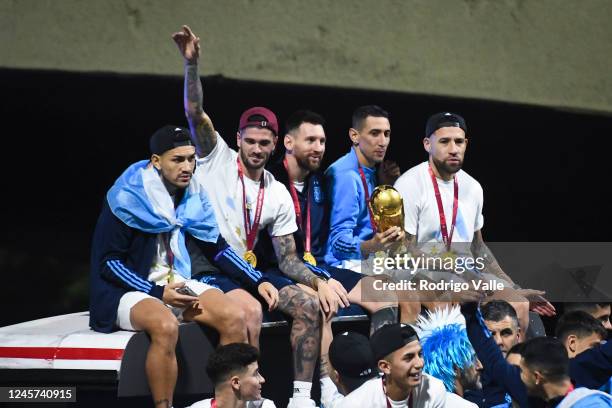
(251, 231)
(367, 195)
(445, 236)
(298, 209)
(387, 398)
(213, 403)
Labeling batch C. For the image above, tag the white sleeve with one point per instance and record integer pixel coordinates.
(201, 404)
(284, 222)
(220, 155)
(262, 403)
(330, 397)
(409, 188)
(438, 394)
(268, 404)
(479, 216)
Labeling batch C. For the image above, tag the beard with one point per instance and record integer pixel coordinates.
(470, 379)
(247, 163)
(444, 167)
(304, 163)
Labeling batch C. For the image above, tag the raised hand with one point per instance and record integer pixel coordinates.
(188, 44)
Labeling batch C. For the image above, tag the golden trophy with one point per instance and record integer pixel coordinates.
(387, 208)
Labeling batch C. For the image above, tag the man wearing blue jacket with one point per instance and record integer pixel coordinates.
(351, 180)
(501, 382)
(545, 372)
(590, 356)
(155, 241)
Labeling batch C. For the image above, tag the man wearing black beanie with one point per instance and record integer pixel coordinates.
(155, 241)
(398, 354)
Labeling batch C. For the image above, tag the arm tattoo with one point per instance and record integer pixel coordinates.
(288, 261)
(324, 365)
(200, 124)
(481, 250)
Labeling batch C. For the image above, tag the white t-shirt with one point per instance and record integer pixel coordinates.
(429, 394)
(264, 403)
(218, 173)
(421, 209)
(453, 400)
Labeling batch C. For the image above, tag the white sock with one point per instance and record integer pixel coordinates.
(301, 389)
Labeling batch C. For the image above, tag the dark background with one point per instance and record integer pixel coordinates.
(67, 136)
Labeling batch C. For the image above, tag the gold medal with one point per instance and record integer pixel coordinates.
(448, 254)
(250, 257)
(310, 259)
(380, 254)
(170, 276)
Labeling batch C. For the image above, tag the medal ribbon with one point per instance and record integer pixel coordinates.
(367, 195)
(298, 209)
(445, 236)
(251, 230)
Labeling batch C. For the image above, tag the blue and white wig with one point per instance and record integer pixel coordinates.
(445, 344)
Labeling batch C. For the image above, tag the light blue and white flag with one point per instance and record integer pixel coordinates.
(140, 199)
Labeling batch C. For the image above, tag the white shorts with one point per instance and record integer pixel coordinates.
(129, 300)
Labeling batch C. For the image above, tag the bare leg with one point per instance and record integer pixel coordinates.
(305, 334)
(253, 313)
(381, 312)
(156, 319)
(219, 312)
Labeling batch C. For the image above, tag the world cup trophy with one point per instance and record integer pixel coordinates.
(387, 208)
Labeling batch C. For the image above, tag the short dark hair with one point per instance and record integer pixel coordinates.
(547, 355)
(518, 348)
(230, 359)
(497, 310)
(303, 116)
(579, 323)
(361, 113)
(588, 307)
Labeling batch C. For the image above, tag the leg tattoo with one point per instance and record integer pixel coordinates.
(381, 317)
(305, 334)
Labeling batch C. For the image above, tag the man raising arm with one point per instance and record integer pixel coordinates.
(246, 199)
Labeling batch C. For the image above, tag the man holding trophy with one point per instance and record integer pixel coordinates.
(352, 179)
(299, 171)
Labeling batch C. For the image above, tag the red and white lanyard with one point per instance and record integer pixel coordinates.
(251, 230)
(445, 235)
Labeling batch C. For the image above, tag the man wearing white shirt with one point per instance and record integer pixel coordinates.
(443, 208)
(397, 350)
(247, 199)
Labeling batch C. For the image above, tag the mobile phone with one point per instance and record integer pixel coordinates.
(186, 290)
